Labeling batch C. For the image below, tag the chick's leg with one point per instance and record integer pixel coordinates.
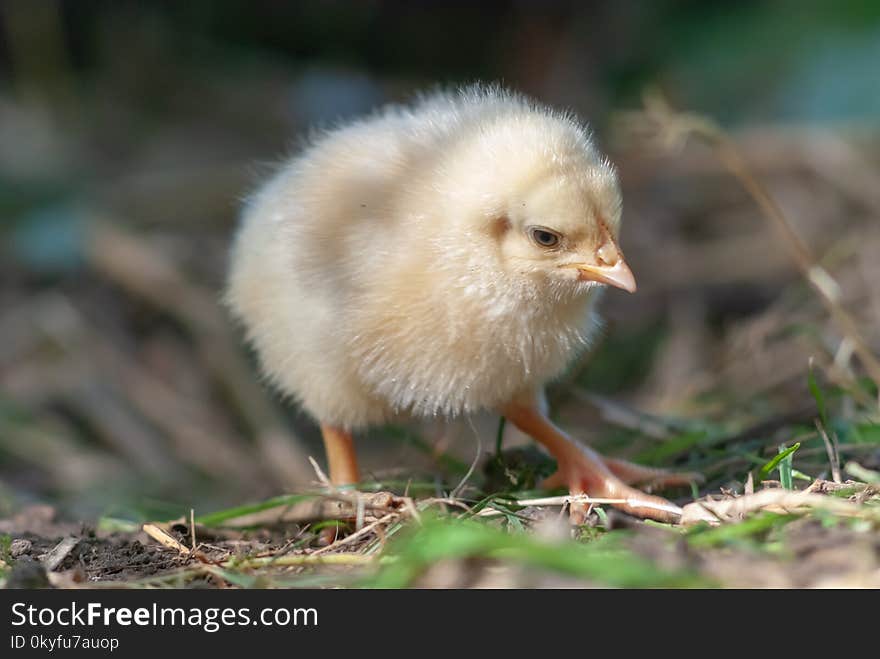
(341, 456)
(584, 471)
(342, 463)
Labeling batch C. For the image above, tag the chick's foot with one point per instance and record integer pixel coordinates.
(584, 471)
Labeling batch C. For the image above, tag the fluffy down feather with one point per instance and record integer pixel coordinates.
(390, 268)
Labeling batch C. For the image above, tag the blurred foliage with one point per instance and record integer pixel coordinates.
(623, 359)
(603, 561)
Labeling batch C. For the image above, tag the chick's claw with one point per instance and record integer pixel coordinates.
(585, 476)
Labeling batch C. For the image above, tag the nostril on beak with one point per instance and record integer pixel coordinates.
(608, 254)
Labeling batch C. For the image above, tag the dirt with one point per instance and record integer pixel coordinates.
(92, 559)
(117, 557)
(97, 556)
(806, 553)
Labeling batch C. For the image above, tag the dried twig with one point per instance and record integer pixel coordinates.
(356, 535)
(583, 500)
(322, 477)
(300, 559)
(164, 538)
(59, 552)
(192, 527)
(832, 447)
(773, 500)
(674, 128)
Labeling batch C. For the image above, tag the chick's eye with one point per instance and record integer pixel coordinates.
(545, 237)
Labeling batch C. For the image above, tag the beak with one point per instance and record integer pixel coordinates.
(618, 275)
(610, 267)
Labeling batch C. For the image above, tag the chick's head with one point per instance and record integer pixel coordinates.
(540, 204)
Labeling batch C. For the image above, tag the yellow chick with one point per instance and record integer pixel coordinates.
(438, 259)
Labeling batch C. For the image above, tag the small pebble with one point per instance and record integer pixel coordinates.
(20, 546)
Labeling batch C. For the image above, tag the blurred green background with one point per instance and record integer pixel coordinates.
(130, 131)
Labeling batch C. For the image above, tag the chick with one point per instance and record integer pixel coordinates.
(438, 259)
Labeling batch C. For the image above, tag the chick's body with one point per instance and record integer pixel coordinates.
(368, 272)
(438, 260)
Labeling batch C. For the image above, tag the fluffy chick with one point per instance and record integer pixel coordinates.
(438, 259)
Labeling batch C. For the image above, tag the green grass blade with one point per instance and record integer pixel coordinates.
(117, 525)
(785, 470)
(439, 540)
(779, 458)
(702, 537)
(221, 516)
(865, 475)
